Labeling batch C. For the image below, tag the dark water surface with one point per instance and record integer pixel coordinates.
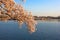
(46, 30)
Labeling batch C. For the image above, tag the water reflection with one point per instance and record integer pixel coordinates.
(46, 30)
(52, 20)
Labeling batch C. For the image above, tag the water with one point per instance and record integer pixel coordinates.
(46, 30)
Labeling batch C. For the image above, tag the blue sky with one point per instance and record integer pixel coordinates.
(42, 7)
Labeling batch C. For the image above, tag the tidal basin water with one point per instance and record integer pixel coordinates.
(46, 30)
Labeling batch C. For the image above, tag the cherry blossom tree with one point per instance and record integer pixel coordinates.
(10, 10)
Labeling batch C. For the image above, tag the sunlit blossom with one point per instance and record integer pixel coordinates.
(16, 12)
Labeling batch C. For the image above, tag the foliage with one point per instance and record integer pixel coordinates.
(10, 10)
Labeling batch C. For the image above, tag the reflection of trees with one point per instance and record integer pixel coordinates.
(10, 10)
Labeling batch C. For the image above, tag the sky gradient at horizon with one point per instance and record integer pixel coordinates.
(43, 7)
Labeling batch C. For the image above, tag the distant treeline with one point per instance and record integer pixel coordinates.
(45, 17)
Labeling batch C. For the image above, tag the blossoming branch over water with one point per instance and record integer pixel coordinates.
(10, 10)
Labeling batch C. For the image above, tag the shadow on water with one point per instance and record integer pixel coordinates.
(46, 30)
